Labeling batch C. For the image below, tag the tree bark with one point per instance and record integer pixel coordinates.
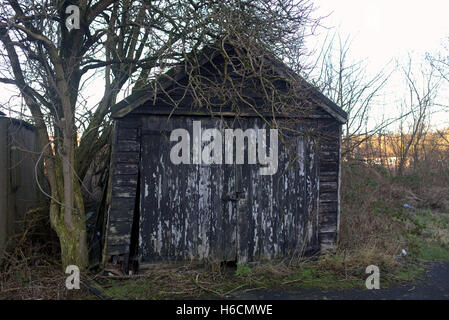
(71, 229)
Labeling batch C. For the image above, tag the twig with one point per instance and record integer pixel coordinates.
(94, 290)
(206, 289)
(235, 289)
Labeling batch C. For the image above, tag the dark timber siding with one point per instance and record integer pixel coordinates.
(180, 210)
(329, 146)
(184, 214)
(123, 192)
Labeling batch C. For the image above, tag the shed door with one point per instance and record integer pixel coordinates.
(278, 214)
(226, 212)
(187, 211)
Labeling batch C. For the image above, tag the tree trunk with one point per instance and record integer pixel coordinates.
(68, 219)
(73, 242)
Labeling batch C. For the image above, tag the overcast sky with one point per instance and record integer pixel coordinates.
(385, 31)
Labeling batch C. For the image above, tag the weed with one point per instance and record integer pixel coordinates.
(242, 270)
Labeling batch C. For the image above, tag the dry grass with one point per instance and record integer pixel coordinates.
(375, 224)
(369, 230)
(31, 267)
(40, 279)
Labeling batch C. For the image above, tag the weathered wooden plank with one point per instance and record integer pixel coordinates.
(125, 180)
(130, 122)
(328, 219)
(328, 186)
(116, 249)
(328, 238)
(121, 191)
(327, 147)
(128, 134)
(328, 207)
(329, 156)
(126, 169)
(126, 214)
(119, 240)
(328, 196)
(229, 215)
(123, 204)
(127, 146)
(127, 157)
(329, 167)
(328, 177)
(119, 228)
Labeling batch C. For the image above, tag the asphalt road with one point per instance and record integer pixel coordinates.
(434, 285)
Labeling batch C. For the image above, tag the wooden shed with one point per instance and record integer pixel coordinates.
(219, 210)
(19, 150)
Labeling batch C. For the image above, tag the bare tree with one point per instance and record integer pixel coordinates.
(126, 44)
(422, 88)
(439, 61)
(347, 83)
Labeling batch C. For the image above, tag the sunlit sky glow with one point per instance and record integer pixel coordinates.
(383, 29)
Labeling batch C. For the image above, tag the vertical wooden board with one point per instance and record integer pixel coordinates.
(204, 209)
(261, 202)
(228, 222)
(192, 208)
(216, 205)
(185, 223)
(301, 194)
(166, 213)
(149, 230)
(290, 197)
(179, 200)
(312, 192)
(243, 228)
(283, 198)
(246, 221)
(229, 215)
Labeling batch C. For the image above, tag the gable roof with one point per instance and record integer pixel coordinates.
(147, 93)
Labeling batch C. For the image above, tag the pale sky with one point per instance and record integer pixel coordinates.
(383, 31)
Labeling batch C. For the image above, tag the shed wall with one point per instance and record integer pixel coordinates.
(125, 161)
(126, 196)
(329, 176)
